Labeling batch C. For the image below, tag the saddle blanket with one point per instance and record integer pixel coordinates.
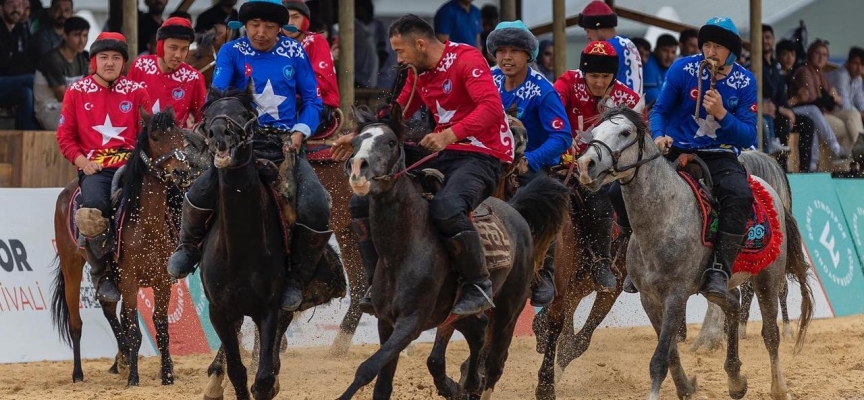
(763, 235)
(496, 242)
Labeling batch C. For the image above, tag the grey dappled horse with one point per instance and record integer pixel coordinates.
(663, 211)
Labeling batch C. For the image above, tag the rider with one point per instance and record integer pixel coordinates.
(473, 138)
(97, 131)
(169, 80)
(586, 93)
(599, 22)
(279, 69)
(539, 108)
(726, 124)
(318, 49)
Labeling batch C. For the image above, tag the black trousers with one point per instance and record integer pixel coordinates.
(734, 197)
(469, 179)
(96, 190)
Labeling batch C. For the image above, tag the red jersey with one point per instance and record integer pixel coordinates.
(182, 89)
(318, 49)
(100, 123)
(579, 102)
(462, 96)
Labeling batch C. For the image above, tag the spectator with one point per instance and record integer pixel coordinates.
(688, 42)
(546, 61)
(599, 22)
(489, 19)
(786, 58)
(220, 13)
(370, 45)
(182, 14)
(148, 24)
(644, 49)
(458, 21)
(811, 91)
(50, 34)
(59, 68)
(16, 66)
(847, 81)
(657, 64)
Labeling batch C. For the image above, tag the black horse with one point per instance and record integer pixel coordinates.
(244, 256)
(414, 287)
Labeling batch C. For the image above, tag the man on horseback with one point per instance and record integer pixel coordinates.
(540, 110)
(725, 123)
(97, 130)
(472, 139)
(320, 58)
(170, 82)
(586, 93)
(279, 69)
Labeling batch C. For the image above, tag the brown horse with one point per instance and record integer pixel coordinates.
(147, 238)
(204, 57)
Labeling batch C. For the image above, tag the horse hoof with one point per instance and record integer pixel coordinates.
(738, 393)
(545, 392)
(113, 369)
(168, 380)
(77, 377)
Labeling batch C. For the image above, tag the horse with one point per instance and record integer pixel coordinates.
(413, 285)
(146, 239)
(244, 254)
(667, 276)
(208, 43)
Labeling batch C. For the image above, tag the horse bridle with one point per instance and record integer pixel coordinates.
(616, 155)
(247, 129)
(154, 166)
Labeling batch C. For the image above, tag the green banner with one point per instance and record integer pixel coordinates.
(851, 195)
(823, 227)
(196, 292)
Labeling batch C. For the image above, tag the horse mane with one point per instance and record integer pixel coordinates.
(216, 94)
(634, 117)
(136, 169)
(205, 43)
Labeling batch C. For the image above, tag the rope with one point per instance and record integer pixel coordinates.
(713, 68)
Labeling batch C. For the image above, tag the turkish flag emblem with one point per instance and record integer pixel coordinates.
(557, 123)
(694, 93)
(247, 70)
(753, 108)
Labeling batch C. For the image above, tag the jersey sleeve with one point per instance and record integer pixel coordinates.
(307, 88)
(553, 118)
(224, 72)
(67, 129)
(739, 125)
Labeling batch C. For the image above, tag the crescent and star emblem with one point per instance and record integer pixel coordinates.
(476, 72)
(88, 106)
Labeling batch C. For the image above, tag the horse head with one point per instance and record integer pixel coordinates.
(229, 123)
(620, 146)
(159, 148)
(378, 153)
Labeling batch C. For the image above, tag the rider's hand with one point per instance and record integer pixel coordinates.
(296, 142)
(664, 143)
(713, 104)
(342, 149)
(438, 141)
(87, 166)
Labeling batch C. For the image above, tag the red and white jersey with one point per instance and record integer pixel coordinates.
(462, 96)
(318, 49)
(101, 123)
(182, 89)
(581, 106)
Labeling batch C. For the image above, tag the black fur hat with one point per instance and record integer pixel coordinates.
(266, 10)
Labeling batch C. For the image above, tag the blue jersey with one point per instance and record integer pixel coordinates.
(672, 114)
(629, 63)
(540, 110)
(653, 77)
(279, 75)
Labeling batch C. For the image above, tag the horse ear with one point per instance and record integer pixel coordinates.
(640, 105)
(361, 116)
(250, 88)
(397, 122)
(145, 116)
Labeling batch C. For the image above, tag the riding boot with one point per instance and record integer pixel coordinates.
(307, 248)
(715, 279)
(193, 227)
(543, 290)
(469, 261)
(598, 234)
(369, 258)
(98, 245)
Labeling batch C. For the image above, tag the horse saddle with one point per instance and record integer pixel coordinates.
(763, 235)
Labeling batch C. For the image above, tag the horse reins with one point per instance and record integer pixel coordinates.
(640, 139)
(713, 69)
(155, 166)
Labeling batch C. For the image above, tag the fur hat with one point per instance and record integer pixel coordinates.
(176, 28)
(599, 57)
(301, 7)
(266, 10)
(721, 30)
(515, 34)
(110, 41)
(596, 15)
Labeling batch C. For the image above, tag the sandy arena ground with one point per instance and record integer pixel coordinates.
(615, 367)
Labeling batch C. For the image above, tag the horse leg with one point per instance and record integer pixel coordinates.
(554, 322)
(711, 334)
(227, 330)
(737, 382)
(602, 305)
(162, 296)
(358, 284)
(498, 342)
(437, 366)
(72, 269)
(768, 300)
(109, 310)
(384, 385)
(262, 389)
(285, 319)
(474, 330)
(129, 319)
(405, 330)
(746, 289)
(215, 373)
(784, 310)
(666, 317)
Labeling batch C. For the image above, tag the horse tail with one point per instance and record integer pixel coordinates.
(59, 308)
(764, 166)
(544, 203)
(797, 266)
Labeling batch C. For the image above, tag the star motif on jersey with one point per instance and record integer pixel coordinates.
(156, 107)
(109, 131)
(268, 102)
(707, 127)
(444, 116)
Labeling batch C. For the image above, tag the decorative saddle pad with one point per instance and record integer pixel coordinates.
(496, 242)
(763, 238)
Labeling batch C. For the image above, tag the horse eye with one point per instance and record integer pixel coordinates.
(392, 143)
(625, 133)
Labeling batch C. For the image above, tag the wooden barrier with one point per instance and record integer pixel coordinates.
(31, 159)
